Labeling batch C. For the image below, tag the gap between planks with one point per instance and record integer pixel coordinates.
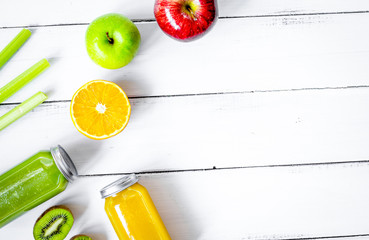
(219, 18)
(357, 236)
(214, 168)
(215, 93)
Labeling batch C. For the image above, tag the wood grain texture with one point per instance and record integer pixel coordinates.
(246, 97)
(227, 130)
(43, 12)
(237, 55)
(275, 203)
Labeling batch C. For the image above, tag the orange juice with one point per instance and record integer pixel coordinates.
(132, 212)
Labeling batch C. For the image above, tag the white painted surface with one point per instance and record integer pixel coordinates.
(237, 55)
(298, 45)
(265, 203)
(228, 130)
(44, 12)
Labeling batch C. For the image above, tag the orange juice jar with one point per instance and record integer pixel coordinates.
(132, 212)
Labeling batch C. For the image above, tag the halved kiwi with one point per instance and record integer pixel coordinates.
(54, 224)
(81, 237)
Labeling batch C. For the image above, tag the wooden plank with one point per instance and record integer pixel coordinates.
(238, 55)
(43, 12)
(353, 237)
(265, 203)
(226, 130)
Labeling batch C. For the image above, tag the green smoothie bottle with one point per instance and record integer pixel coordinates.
(33, 182)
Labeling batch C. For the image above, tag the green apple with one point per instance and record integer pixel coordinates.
(112, 40)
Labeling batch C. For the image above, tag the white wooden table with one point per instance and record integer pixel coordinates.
(259, 130)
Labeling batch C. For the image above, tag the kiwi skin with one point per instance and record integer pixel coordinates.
(52, 208)
(37, 229)
(81, 237)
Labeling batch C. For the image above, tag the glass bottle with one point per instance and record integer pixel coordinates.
(33, 182)
(132, 212)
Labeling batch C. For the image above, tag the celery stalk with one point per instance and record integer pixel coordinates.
(14, 45)
(22, 109)
(17, 83)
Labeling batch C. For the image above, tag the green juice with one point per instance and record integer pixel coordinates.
(33, 182)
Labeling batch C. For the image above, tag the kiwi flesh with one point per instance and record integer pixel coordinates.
(81, 237)
(54, 224)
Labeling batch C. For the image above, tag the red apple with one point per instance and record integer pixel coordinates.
(185, 19)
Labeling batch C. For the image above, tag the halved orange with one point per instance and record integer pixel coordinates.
(100, 109)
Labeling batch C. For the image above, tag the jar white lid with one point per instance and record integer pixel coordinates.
(64, 163)
(119, 185)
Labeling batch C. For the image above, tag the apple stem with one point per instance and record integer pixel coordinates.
(188, 8)
(110, 40)
(190, 11)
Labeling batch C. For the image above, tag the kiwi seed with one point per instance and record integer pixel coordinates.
(81, 237)
(54, 224)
